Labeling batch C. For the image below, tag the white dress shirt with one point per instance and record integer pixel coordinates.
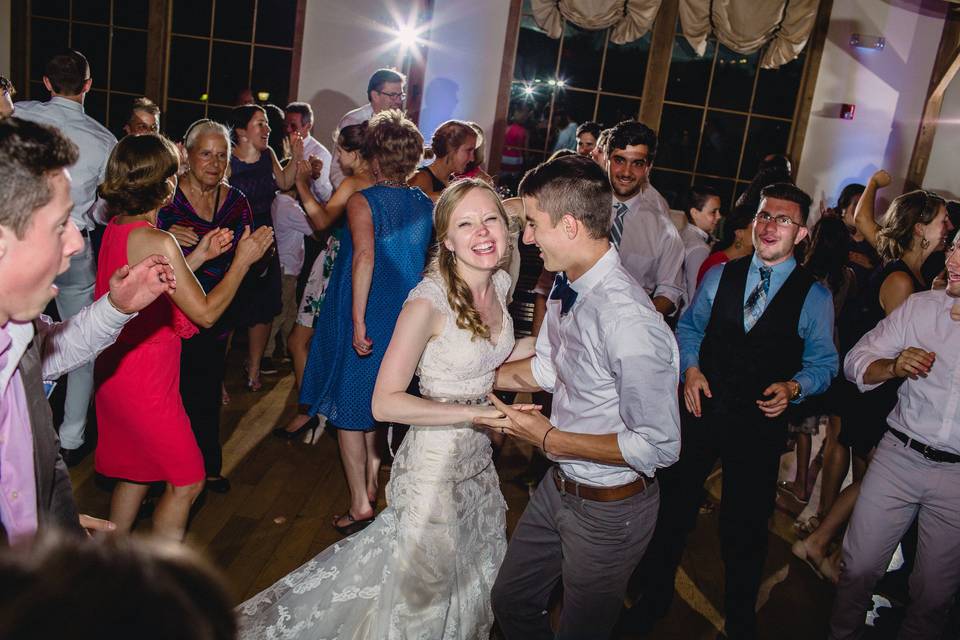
(93, 140)
(613, 367)
(650, 248)
(321, 187)
(290, 225)
(69, 344)
(928, 409)
(358, 115)
(695, 251)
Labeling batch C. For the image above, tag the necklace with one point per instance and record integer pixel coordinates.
(392, 183)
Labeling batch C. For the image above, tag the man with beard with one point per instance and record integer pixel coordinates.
(915, 473)
(650, 246)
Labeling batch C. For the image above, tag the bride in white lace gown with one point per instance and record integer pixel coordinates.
(424, 568)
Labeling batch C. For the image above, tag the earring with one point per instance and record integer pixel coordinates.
(924, 243)
(738, 244)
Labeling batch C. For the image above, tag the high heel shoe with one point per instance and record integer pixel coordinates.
(310, 425)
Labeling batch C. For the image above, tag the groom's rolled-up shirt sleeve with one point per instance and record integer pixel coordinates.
(642, 354)
(542, 364)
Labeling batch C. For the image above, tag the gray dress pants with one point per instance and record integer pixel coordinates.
(591, 547)
(901, 485)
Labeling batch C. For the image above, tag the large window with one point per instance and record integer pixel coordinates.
(113, 37)
(582, 76)
(721, 116)
(201, 53)
(220, 48)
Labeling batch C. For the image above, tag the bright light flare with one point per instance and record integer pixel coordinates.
(407, 36)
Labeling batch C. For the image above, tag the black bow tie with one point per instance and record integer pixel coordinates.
(563, 292)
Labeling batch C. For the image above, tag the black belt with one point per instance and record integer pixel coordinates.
(928, 452)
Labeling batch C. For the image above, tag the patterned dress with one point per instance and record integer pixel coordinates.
(425, 567)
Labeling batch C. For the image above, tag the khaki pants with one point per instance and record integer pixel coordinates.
(283, 325)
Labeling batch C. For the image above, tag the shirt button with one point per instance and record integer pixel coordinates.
(14, 494)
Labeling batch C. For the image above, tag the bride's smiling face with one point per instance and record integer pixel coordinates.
(477, 233)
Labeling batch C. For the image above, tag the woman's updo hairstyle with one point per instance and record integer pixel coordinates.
(444, 262)
(395, 143)
(896, 233)
(450, 135)
(350, 138)
(137, 172)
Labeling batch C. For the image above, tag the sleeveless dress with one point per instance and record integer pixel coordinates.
(425, 567)
(144, 434)
(337, 383)
(260, 298)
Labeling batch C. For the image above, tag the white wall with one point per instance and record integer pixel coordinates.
(344, 42)
(943, 168)
(889, 88)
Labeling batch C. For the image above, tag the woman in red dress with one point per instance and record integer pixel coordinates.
(144, 432)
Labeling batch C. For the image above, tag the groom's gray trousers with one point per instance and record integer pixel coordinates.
(591, 547)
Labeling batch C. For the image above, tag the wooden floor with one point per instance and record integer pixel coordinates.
(284, 495)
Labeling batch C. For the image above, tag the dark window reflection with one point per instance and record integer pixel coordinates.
(276, 21)
(47, 37)
(271, 73)
(720, 143)
(119, 113)
(129, 61)
(671, 185)
(51, 8)
(733, 79)
(187, 76)
(536, 53)
(777, 89)
(94, 42)
(763, 138)
(131, 13)
(689, 73)
(679, 136)
(229, 71)
(579, 104)
(581, 56)
(179, 116)
(530, 104)
(92, 11)
(95, 105)
(192, 17)
(626, 66)
(219, 114)
(614, 109)
(234, 20)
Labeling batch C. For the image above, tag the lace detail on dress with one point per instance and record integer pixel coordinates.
(425, 567)
(182, 326)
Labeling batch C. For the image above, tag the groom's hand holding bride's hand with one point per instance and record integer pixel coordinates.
(522, 421)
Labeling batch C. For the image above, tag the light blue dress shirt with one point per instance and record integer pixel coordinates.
(820, 360)
(94, 141)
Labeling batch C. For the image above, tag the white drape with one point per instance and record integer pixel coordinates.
(630, 19)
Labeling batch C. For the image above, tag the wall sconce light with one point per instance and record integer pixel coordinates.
(861, 41)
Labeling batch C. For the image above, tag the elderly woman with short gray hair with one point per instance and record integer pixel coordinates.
(204, 203)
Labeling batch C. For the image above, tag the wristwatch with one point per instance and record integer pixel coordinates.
(798, 391)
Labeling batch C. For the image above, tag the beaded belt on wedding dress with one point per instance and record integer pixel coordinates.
(474, 400)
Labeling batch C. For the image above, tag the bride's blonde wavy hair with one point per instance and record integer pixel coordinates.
(444, 262)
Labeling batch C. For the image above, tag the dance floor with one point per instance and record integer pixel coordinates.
(284, 496)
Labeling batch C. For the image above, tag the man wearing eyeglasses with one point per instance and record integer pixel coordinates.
(384, 91)
(650, 246)
(144, 118)
(67, 78)
(758, 336)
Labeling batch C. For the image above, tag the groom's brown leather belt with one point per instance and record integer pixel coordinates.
(599, 494)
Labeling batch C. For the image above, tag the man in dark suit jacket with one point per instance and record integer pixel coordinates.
(37, 239)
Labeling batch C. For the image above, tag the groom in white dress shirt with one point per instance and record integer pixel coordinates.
(612, 364)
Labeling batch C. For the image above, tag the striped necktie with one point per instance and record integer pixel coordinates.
(757, 302)
(616, 231)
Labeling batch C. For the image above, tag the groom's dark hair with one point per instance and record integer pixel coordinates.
(575, 185)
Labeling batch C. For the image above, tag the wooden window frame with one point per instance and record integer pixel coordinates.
(657, 74)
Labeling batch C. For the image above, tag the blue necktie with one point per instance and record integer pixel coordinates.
(757, 301)
(563, 292)
(616, 230)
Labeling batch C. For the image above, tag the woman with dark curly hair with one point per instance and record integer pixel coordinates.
(144, 432)
(380, 260)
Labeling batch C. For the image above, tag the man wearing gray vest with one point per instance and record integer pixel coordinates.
(37, 240)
